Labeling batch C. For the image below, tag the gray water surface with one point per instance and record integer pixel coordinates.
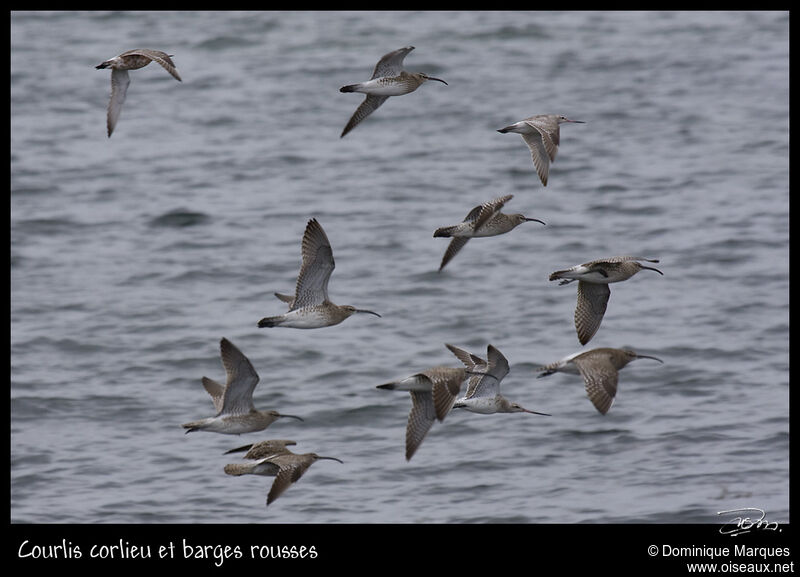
(132, 256)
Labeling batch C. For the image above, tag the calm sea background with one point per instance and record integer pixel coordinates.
(132, 256)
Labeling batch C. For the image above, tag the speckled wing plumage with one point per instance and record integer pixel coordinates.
(590, 308)
(473, 363)
(290, 472)
(391, 64)
(158, 56)
(483, 213)
(370, 104)
(445, 386)
(242, 380)
(456, 244)
(601, 379)
(420, 420)
(264, 449)
(479, 216)
(315, 272)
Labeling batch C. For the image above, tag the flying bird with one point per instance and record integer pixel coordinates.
(233, 401)
(483, 390)
(600, 371)
(483, 220)
(593, 290)
(310, 307)
(542, 135)
(130, 60)
(388, 79)
(273, 459)
(433, 392)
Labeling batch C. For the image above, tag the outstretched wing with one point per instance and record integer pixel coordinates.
(217, 392)
(488, 385)
(367, 107)
(286, 476)
(119, 89)
(541, 158)
(318, 264)
(391, 64)
(590, 308)
(161, 57)
(601, 382)
(242, 379)
(481, 214)
(420, 420)
(453, 249)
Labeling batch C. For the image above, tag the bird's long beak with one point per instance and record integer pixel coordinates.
(332, 459)
(437, 79)
(535, 413)
(366, 311)
(290, 416)
(652, 268)
(535, 220)
(649, 357)
(576, 121)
